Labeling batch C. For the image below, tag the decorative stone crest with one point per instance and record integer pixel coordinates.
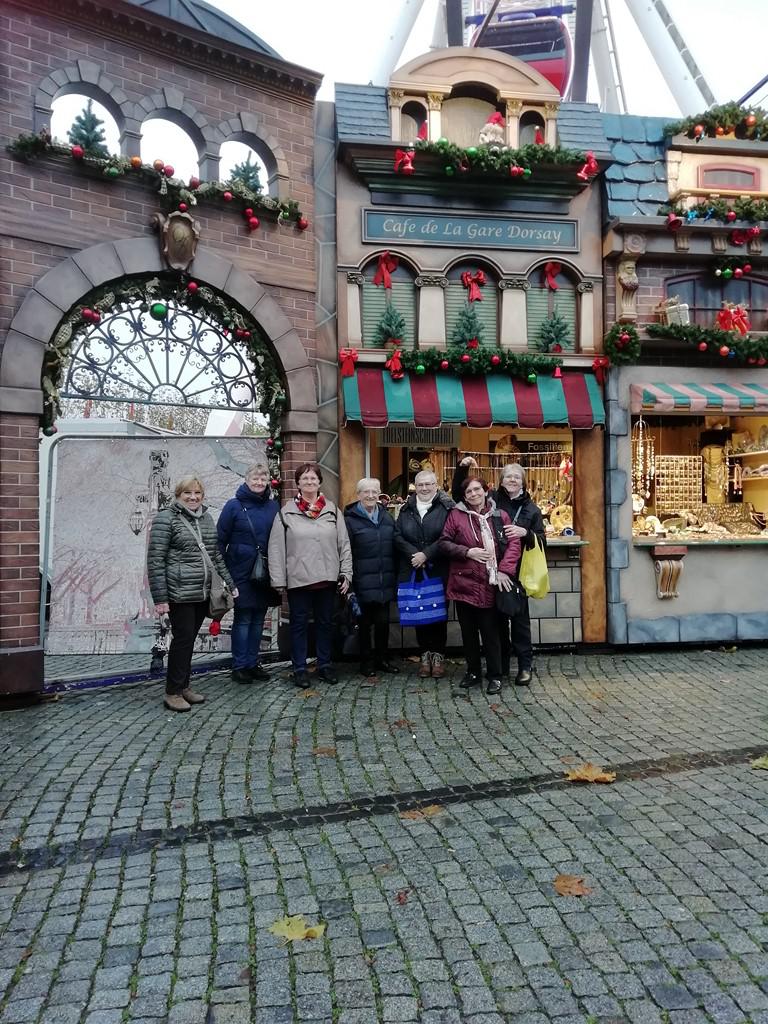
(634, 243)
(431, 281)
(353, 277)
(585, 286)
(179, 235)
(515, 282)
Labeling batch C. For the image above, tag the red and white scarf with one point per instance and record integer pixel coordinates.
(487, 538)
(311, 511)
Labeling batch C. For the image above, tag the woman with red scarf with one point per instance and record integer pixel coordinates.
(310, 556)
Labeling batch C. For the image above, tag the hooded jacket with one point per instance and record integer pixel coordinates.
(413, 534)
(468, 579)
(176, 568)
(238, 540)
(303, 551)
(373, 554)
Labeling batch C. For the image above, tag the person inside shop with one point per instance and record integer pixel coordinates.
(479, 566)
(417, 541)
(310, 557)
(243, 529)
(183, 550)
(526, 523)
(371, 532)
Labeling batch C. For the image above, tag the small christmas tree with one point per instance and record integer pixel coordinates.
(390, 328)
(247, 171)
(553, 333)
(468, 327)
(87, 131)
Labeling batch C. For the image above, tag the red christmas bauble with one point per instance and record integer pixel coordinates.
(761, 361)
(624, 337)
(495, 360)
(730, 216)
(158, 164)
(87, 314)
(747, 268)
(77, 152)
(444, 364)
(738, 272)
(753, 232)
(168, 171)
(750, 120)
(751, 360)
(135, 162)
(253, 223)
(182, 207)
(247, 212)
(302, 223)
(215, 627)
(698, 130)
(96, 318)
(227, 197)
(466, 358)
(270, 442)
(724, 350)
(192, 287)
(194, 182)
(703, 346)
(557, 347)
(719, 130)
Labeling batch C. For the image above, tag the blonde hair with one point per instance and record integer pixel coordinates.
(187, 483)
(513, 465)
(257, 467)
(368, 481)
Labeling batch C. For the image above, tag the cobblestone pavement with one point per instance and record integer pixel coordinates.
(144, 855)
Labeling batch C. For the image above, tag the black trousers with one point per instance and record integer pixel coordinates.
(477, 623)
(374, 615)
(186, 620)
(515, 637)
(433, 637)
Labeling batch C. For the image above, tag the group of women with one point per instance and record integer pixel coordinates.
(308, 549)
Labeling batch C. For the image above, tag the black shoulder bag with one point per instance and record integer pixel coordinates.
(509, 602)
(260, 569)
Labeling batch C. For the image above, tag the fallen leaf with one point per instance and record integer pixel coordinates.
(589, 772)
(421, 812)
(499, 709)
(414, 658)
(571, 885)
(728, 650)
(760, 762)
(402, 723)
(324, 751)
(296, 929)
(597, 694)
(307, 693)
(402, 896)
(294, 741)
(382, 869)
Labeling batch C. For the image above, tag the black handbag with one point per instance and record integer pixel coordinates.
(511, 602)
(260, 569)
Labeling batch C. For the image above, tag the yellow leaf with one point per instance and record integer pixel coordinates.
(296, 929)
(324, 751)
(589, 772)
(571, 885)
(760, 762)
(307, 693)
(418, 813)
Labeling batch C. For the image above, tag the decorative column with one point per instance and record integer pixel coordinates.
(514, 108)
(395, 110)
(430, 329)
(586, 316)
(514, 312)
(435, 104)
(550, 123)
(626, 277)
(354, 313)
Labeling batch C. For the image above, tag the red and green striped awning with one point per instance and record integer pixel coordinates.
(690, 398)
(431, 400)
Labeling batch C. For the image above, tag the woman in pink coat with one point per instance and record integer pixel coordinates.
(478, 568)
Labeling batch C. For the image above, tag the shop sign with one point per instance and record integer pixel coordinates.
(468, 231)
(418, 437)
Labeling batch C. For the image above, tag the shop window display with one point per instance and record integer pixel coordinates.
(704, 294)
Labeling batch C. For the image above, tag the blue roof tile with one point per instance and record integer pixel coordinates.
(655, 193)
(580, 126)
(637, 182)
(639, 172)
(361, 110)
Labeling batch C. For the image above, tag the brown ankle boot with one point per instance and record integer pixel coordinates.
(425, 670)
(438, 666)
(175, 702)
(191, 697)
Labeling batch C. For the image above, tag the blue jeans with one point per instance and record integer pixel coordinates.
(320, 603)
(247, 630)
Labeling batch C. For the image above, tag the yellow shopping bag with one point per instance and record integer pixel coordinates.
(534, 575)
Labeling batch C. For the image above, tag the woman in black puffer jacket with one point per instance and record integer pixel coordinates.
(527, 524)
(371, 530)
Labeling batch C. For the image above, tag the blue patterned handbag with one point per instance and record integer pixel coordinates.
(420, 604)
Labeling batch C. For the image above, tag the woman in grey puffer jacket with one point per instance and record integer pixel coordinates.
(180, 581)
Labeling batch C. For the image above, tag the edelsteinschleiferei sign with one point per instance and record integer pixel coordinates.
(467, 230)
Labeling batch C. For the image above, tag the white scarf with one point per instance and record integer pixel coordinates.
(487, 538)
(423, 507)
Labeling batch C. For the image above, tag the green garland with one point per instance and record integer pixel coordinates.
(745, 348)
(172, 190)
(492, 159)
(154, 293)
(622, 345)
(745, 122)
(482, 360)
(743, 208)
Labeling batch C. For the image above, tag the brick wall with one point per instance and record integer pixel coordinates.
(19, 545)
(652, 273)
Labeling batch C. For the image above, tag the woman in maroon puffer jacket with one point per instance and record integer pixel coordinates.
(478, 569)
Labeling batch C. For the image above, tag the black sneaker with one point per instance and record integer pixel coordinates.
(368, 671)
(258, 672)
(388, 667)
(470, 679)
(301, 679)
(241, 675)
(327, 675)
(494, 686)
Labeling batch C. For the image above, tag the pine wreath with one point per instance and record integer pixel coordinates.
(622, 345)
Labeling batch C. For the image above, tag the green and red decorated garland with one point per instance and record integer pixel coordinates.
(726, 120)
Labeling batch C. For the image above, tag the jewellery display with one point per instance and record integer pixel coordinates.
(643, 459)
(678, 482)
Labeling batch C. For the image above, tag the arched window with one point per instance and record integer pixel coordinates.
(530, 123)
(706, 293)
(543, 299)
(486, 307)
(165, 140)
(86, 119)
(401, 296)
(465, 113)
(413, 117)
(745, 179)
(241, 161)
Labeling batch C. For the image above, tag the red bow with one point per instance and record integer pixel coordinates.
(600, 365)
(347, 358)
(738, 237)
(395, 365)
(733, 318)
(550, 272)
(473, 282)
(590, 168)
(387, 267)
(404, 160)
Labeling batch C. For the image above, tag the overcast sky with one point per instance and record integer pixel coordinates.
(346, 41)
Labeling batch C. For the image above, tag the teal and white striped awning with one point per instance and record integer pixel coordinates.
(735, 397)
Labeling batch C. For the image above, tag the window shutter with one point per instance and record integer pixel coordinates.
(487, 311)
(538, 309)
(374, 304)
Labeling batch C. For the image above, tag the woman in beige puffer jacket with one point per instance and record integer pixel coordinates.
(310, 556)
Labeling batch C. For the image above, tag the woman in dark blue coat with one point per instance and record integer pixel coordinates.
(243, 529)
(371, 532)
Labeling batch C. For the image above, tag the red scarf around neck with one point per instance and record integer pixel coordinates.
(313, 511)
